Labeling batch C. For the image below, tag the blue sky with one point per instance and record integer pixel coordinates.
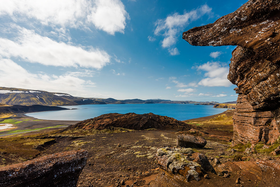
(114, 48)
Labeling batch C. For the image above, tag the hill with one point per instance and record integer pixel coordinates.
(18, 96)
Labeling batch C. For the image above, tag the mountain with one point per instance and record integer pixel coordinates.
(18, 96)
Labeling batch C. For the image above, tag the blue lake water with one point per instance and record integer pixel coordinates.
(82, 112)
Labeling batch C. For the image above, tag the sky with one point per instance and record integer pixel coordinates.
(123, 49)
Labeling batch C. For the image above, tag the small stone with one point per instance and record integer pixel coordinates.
(238, 180)
(222, 153)
(232, 151)
(226, 175)
(206, 176)
(122, 182)
(216, 161)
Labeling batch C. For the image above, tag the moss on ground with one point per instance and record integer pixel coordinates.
(32, 130)
(83, 132)
(11, 121)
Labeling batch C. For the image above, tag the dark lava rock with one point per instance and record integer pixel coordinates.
(56, 170)
(254, 67)
(187, 140)
(130, 121)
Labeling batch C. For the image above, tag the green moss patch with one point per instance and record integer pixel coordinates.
(32, 130)
(11, 121)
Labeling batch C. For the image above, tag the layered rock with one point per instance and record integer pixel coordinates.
(58, 170)
(130, 121)
(254, 67)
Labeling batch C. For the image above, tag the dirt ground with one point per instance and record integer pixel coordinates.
(124, 157)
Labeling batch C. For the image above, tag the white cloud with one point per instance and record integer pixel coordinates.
(167, 88)
(117, 60)
(186, 95)
(216, 75)
(172, 25)
(13, 75)
(107, 15)
(215, 54)
(151, 39)
(186, 91)
(118, 74)
(173, 51)
(180, 84)
(220, 95)
(34, 48)
(203, 94)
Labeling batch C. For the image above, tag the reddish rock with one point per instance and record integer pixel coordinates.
(58, 170)
(130, 121)
(202, 160)
(254, 67)
(187, 140)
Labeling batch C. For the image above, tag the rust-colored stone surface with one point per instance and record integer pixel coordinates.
(254, 67)
(130, 121)
(58, 170)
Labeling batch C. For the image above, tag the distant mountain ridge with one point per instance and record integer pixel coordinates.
(18, 96)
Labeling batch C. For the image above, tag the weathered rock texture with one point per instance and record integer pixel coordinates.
(59, 170)
(254, 68)
(130, 121)
(187, 140)
(184, 162)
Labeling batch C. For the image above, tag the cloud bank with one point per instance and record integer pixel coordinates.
(34, 48)
(13, 75)
(216, 75)
(107, 15)
(173, 24)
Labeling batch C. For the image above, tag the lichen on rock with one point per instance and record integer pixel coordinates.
(183, 161)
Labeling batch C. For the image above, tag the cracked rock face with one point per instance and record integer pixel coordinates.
(58, 170)
(254, 67)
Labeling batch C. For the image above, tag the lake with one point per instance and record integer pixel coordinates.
(82, 112)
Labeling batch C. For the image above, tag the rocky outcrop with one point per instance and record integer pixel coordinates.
(130, 121)
(184, 162)
(187, 140)
(58, 170)
(254, 67)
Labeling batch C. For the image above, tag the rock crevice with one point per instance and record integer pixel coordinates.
(254, 67)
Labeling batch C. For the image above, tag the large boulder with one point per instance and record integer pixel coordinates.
(56, 170)
(187, 140)
(184, 162)
(254, 67)
(130, 121)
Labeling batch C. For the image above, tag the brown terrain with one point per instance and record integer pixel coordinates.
(239, 147)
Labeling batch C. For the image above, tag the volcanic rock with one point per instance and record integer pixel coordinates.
(187, 140)
(254, 67)
(130, 121)
(58, 170)
(184, 162)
